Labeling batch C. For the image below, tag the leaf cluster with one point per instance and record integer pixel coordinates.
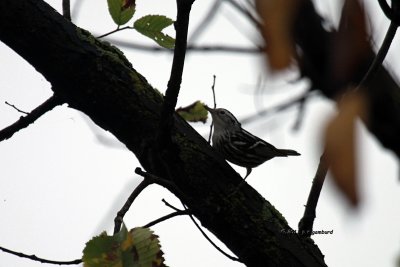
(122, 12)
(138, 247)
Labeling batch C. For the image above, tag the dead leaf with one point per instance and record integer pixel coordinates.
(278, 17)
(351, 43)
(128, 4)
(340, 144)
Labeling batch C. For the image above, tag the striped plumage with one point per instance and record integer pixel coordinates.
(238, 145)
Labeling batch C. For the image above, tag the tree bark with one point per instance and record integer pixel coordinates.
(96, 78)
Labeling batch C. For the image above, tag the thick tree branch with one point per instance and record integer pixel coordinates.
(25, 121)
(120, 100)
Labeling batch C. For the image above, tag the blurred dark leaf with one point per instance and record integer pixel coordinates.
(277, 17)
(340, 144)
(350, 45)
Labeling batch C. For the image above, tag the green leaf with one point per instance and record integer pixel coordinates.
(121, 11)
(152, 26)
(148, 249)
(194, 112)
(137, 248)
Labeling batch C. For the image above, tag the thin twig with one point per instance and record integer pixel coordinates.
(66, 9)
(275, 109)
(306, 223)
(198, 227)
(166, 217)
(213, 91)
(24, 122)
(162, 182)
(121, 213)
(246, 13)
(386, 9)
(157, 180)
(208, 18)
(170, 206)
(209, 239)
(380, 56)
(300, 114)
(114, 31)
(215, 105)
(17, 109)
(190, 48)
(35, 258)
(148, 180)
(250, 3)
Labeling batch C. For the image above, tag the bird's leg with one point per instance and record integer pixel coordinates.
(247, 173)
(242, 182)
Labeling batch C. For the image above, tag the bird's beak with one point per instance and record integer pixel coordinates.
(211, 110)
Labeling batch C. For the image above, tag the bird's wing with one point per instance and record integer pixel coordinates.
(251, 144)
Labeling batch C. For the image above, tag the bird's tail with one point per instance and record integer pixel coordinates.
(288, 152)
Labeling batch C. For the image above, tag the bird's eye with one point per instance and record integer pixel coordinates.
(222, 112)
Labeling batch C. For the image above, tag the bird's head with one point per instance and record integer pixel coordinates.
(223, 119)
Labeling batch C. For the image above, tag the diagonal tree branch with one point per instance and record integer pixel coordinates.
(31, 117)
(380, 56)
(167, 217)
(121, 213)
(148, 180)
(120, 100)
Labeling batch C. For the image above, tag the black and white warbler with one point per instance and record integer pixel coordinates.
(238, 145)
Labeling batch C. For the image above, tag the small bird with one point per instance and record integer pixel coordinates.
(238, 145)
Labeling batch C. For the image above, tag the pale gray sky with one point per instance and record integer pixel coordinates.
(60, 186)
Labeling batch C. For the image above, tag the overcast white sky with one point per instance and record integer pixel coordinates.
(60, 185)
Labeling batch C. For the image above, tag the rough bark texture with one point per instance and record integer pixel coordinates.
(95, 78)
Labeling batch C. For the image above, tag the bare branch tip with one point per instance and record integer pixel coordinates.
(139, 171)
